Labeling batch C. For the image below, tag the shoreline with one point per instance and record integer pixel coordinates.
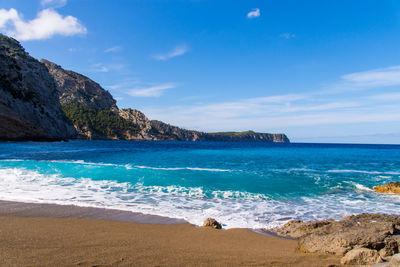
(49, 234)
(48, 210)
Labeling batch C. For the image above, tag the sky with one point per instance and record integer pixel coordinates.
(316, 70)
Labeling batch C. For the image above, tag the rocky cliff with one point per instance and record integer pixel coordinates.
(29, 106)
(73, 87)
(43, 101)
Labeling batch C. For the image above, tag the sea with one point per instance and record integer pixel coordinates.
(246, 185)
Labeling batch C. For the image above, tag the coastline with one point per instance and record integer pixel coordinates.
(49, 234)
(47, 210)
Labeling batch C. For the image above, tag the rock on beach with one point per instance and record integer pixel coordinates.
(361, 239)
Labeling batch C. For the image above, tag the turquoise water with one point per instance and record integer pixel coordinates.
(250, 185)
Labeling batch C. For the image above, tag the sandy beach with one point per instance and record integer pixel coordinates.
(52, 235)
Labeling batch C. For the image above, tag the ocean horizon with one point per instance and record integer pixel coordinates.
(243, 185)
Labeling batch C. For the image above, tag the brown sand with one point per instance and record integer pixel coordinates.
(27, 241)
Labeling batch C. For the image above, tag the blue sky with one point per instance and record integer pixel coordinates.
(319, 71)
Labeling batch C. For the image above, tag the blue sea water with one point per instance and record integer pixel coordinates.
(252, 185)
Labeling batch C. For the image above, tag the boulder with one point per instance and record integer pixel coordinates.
(393, 187)
(210, 222)
(361, 256)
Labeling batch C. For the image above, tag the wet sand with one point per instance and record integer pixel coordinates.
(52, 235)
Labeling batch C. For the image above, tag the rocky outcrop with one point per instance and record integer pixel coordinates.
(377, 232)
(164, 131)
(297, 228)
(29, 106)
(142, 123)
(210, 222)
(393, 187)
(73, 87)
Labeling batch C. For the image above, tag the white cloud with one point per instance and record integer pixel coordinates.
(99, 67)
(374, 78)
(288, 35)
(273, 116)
(113, 49)
(255, 13)
(47, 24)
(53, 3)
(153, 91)
(387, 97)
(275, 113)
(177, 51)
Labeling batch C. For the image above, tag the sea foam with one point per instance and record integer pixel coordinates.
(194, 204)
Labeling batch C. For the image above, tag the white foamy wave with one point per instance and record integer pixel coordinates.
(82, 162)
(127, 166)
(302, 170)
(183, 168)
(362, 187)
(194, 204)
(365, 172)
(338, 171)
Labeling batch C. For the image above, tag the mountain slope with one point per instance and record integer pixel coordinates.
(29, 106)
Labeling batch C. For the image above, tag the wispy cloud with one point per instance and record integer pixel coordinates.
(53, 3)
(107, 67)
(47, 24)
(255, 13)
(374, 78)
(288, 35)
(177, 51)
(99, 67)
(125, 85)
(386, 97)
(113, 49)
(266, 116)
(153, 91)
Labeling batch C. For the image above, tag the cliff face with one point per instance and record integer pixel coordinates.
(29, 106)
(73, 87)
(42, 101)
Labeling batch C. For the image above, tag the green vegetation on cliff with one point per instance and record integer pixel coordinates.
(103, 122)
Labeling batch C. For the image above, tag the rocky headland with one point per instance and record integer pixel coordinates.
(43, 101)
(393, 188)
(359, 239)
